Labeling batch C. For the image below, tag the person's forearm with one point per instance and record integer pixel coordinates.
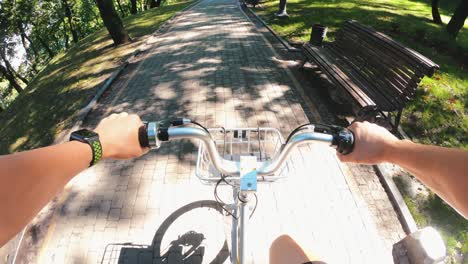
(443, 170)
(30, 179)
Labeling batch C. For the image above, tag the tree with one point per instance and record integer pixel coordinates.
(133, 9)
(435, 12)
(10, 68)
(282, 9)
(69, 15)
(112, 22)
(153, 3)
(120, 8)
(11, 79)
(458, 19)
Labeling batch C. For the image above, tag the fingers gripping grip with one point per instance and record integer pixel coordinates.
(143, 136)
(344, 139)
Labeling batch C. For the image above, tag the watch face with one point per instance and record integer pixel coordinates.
(84, 134)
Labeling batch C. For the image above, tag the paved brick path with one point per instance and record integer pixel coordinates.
(214, 67)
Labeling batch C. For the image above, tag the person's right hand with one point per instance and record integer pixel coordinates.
(371, 143)
(118, 134)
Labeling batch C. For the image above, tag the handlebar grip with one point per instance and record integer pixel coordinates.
(344, 140)
(143, 136)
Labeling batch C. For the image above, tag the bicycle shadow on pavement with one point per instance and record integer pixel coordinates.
(188, 247)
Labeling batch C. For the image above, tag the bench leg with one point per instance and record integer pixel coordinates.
(397, 121)
(304, 61)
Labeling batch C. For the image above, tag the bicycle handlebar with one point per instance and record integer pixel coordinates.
(154, 133)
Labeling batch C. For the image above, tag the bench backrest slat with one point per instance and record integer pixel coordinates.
(368, 52)
(390, 79)
(426, 66)
(395, 69)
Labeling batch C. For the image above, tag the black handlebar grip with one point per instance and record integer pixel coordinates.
(143, 136)
(344, 141)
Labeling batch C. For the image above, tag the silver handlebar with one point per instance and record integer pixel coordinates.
(232, 168)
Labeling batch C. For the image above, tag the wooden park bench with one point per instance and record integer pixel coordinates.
(380, 74)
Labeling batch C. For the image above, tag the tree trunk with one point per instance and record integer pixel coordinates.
(133, 10)
(151, 3)
(25, 37)
(282, 8)
(120, 8)
(458, 19)
(112, 22)
(69, 15)
(435, 12)
(46, 47)
(2, 104)
(11, 79)
(65, 34)
(10, 69)
(158, 3)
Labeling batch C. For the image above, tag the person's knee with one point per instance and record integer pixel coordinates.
(285, 250)
(280, 242)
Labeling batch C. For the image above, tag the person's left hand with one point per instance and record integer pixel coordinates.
(118, 134)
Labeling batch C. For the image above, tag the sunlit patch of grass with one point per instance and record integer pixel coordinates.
(53, 98)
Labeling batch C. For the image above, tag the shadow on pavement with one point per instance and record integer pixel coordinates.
(187, 248)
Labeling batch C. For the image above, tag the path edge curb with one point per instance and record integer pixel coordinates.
(396, 198)
(265, 24)
(84, 112)
(404, 214)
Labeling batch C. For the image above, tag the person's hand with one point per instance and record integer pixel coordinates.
(371, 143)
(119, 136)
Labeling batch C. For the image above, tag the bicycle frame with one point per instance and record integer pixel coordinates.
(239, 241)
(246, 172)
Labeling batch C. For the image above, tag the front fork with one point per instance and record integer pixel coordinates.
(239, 241)
(243, 194)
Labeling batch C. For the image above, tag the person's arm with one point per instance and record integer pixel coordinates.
(443, 170)
(30, 179)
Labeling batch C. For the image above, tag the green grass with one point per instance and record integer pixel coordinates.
(52, 100)
(432, 211)
(438, 115)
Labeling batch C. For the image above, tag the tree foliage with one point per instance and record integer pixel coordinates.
(32, 32)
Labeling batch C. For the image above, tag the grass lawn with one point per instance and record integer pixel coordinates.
(438, 115)
(51, 101)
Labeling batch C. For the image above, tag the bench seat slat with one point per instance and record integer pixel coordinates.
(344, 77)
(368, 84)
(388, 81)
(375, 82)
(399, 75)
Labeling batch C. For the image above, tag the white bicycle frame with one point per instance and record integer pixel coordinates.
(243, 173)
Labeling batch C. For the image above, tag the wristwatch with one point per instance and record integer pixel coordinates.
(92, 139)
